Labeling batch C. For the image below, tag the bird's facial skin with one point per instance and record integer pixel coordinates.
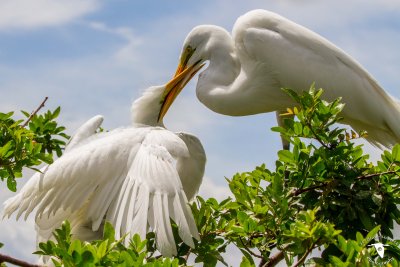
(175, 86)
(186, 55)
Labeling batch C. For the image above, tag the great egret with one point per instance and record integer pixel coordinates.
(136, 177)
(267, 52)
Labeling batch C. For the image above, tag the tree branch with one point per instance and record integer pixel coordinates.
(368, 176)
(6, 258)
(248, 250)
(34, 113)
(363, 177)
(301, 191)
(272, 261)
(304, 257)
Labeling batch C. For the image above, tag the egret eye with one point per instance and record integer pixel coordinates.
(187, 54)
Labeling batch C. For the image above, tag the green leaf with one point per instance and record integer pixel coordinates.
(5, 149)
(109, 232)
(372, 234)
(12, 184)
(285, 156)
(246, 261)
(396, 152)
(102, 249)
(298, 128)
(56, 112)
(87, 257)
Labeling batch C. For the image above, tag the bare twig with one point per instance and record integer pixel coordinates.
(9, 259)
(34, 113)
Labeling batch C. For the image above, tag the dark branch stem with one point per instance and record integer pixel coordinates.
(368, 176)
(272, 261)
(34, 113)
(308, 123)
(248, 250)
(303, 258)
(5, 258)
(363, 177)
(304, 190)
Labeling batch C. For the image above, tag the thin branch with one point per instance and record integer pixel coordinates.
(34, 113)
(368, 176)
(272, 261)
(5, 258)
(308, 123)
(304, 257)
(304, 190)
(248, 250)
(363, 177)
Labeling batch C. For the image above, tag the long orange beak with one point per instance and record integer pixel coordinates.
(174, 87)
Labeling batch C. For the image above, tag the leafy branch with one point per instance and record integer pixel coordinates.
(30, 144)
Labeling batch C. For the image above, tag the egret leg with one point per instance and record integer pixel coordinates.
(279, 119)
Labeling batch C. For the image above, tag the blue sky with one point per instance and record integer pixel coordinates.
(94, 57)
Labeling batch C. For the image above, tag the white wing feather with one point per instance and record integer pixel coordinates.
(191, 169)
(128, 176)
(84, 131)
(79, 175)
(152, 193)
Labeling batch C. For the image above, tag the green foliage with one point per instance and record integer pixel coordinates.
(28, 147)
(323, 194)
(106, 252)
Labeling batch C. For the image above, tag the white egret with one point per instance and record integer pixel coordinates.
(136, 178)
(267, 52)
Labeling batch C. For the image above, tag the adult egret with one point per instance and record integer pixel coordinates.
(267, 52)
(136, 178)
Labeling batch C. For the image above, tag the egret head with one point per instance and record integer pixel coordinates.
(194, 53)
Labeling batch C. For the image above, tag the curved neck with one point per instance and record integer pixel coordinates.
(223, 71)
(145, 109)
(232, 86)
(221, 53)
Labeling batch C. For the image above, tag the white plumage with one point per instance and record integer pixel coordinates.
(267, 52)
(137, 178)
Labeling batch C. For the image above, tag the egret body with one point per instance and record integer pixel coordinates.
(137, 178)
(267, 52)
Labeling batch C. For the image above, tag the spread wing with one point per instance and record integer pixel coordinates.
(79, 175)
(30, 195)
(127, 176)
(152, 193)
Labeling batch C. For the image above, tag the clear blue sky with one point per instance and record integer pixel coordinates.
(94, 57)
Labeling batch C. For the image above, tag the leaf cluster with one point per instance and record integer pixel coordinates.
(28, 146)
(66, 251)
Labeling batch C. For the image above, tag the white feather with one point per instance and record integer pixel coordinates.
(128, 176)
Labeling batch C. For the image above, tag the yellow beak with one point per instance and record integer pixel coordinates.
(174, 87)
